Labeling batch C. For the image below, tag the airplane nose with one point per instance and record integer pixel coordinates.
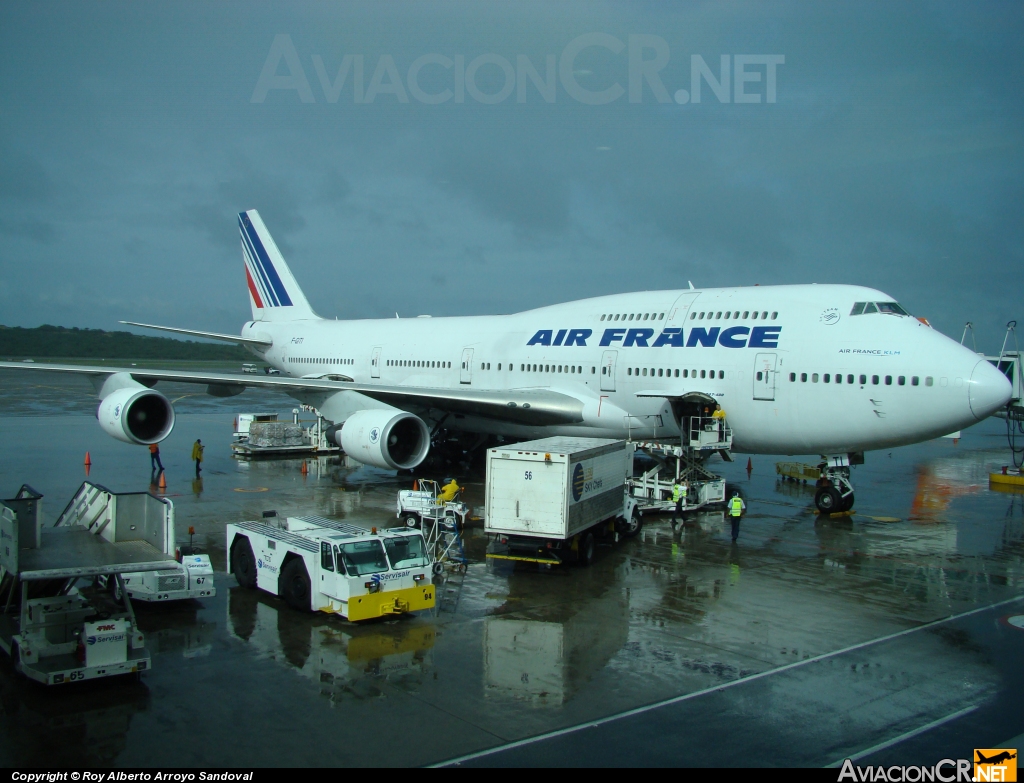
(989, 390)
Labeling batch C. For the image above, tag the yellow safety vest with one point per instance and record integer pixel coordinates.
(735, 507)
(677, 492)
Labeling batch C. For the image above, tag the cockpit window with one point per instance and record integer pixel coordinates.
(407, 552)
(870, 308)
(858, 308)
(892, 308)
(362, 557)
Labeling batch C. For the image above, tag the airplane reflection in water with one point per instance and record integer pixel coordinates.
(347, 661)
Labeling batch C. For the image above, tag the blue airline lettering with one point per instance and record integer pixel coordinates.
(764, 337)
(543, 337)
(611, 335)
(673, 335)
(578, 337)
(638, 337)
(707, 338)
(734, 337)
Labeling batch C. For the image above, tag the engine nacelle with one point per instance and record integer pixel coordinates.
(385, 438)
(136, 415)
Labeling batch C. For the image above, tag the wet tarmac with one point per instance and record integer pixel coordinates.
(811, 640)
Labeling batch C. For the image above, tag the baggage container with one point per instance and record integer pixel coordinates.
(547, 500)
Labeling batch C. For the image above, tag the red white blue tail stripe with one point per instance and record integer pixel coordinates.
(264, 282)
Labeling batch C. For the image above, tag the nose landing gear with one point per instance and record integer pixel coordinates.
(835, 492)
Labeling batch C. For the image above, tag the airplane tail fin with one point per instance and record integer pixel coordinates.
(273, 292)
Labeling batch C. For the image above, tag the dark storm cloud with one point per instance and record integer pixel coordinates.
(892, 158)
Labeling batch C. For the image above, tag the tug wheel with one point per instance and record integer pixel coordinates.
(586, 549)
(828, 500)
(295, 587)
(412, 521)
(243, 563)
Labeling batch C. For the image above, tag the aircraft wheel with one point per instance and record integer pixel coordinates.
(295, 587)
(634, 524)
(848, 502)
(586, 549)
(243, 563)
(828, 500)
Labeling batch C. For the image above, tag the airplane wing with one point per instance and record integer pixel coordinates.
(227, 338)
(523, 406)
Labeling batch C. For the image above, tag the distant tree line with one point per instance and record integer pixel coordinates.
(57, 341)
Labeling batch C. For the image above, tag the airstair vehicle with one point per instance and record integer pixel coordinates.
(185, 575)
(441, 523)
(57, 625)
(1009, 363)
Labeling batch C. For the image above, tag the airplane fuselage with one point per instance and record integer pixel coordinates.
(793, 369)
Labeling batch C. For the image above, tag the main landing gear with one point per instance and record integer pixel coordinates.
(835, 492)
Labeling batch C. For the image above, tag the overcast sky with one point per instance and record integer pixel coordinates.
(890, 155)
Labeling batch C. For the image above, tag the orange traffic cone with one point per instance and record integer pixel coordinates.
(163, 481)
(415, 484)
(750, 465)
(88, 459)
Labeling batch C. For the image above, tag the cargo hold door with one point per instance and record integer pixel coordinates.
(528, 497)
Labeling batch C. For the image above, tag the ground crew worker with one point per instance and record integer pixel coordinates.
(719, 418)
(736, 508)
(197, 455)
(154, 457)
(679, 492)
(449, 491)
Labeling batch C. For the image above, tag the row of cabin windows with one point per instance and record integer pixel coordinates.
(633, 316)
(305, 360)
(418, 363)
(901, 380)
(569, 368)
(734, 314)
(660, 372)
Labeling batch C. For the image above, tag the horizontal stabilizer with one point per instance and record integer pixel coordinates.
(227, 338)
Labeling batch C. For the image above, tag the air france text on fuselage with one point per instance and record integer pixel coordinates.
(672, 336)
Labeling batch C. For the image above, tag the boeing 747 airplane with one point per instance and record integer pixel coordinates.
(835, 370)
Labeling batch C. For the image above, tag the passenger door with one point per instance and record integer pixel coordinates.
(764, 376)
(608, 370)
(375, 362)
(466, 375)
(680, 308)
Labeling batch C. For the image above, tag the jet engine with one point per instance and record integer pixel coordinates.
(136, 415)
(385, 438)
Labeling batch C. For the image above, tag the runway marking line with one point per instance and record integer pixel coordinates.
(897, 740)
(716, 688)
